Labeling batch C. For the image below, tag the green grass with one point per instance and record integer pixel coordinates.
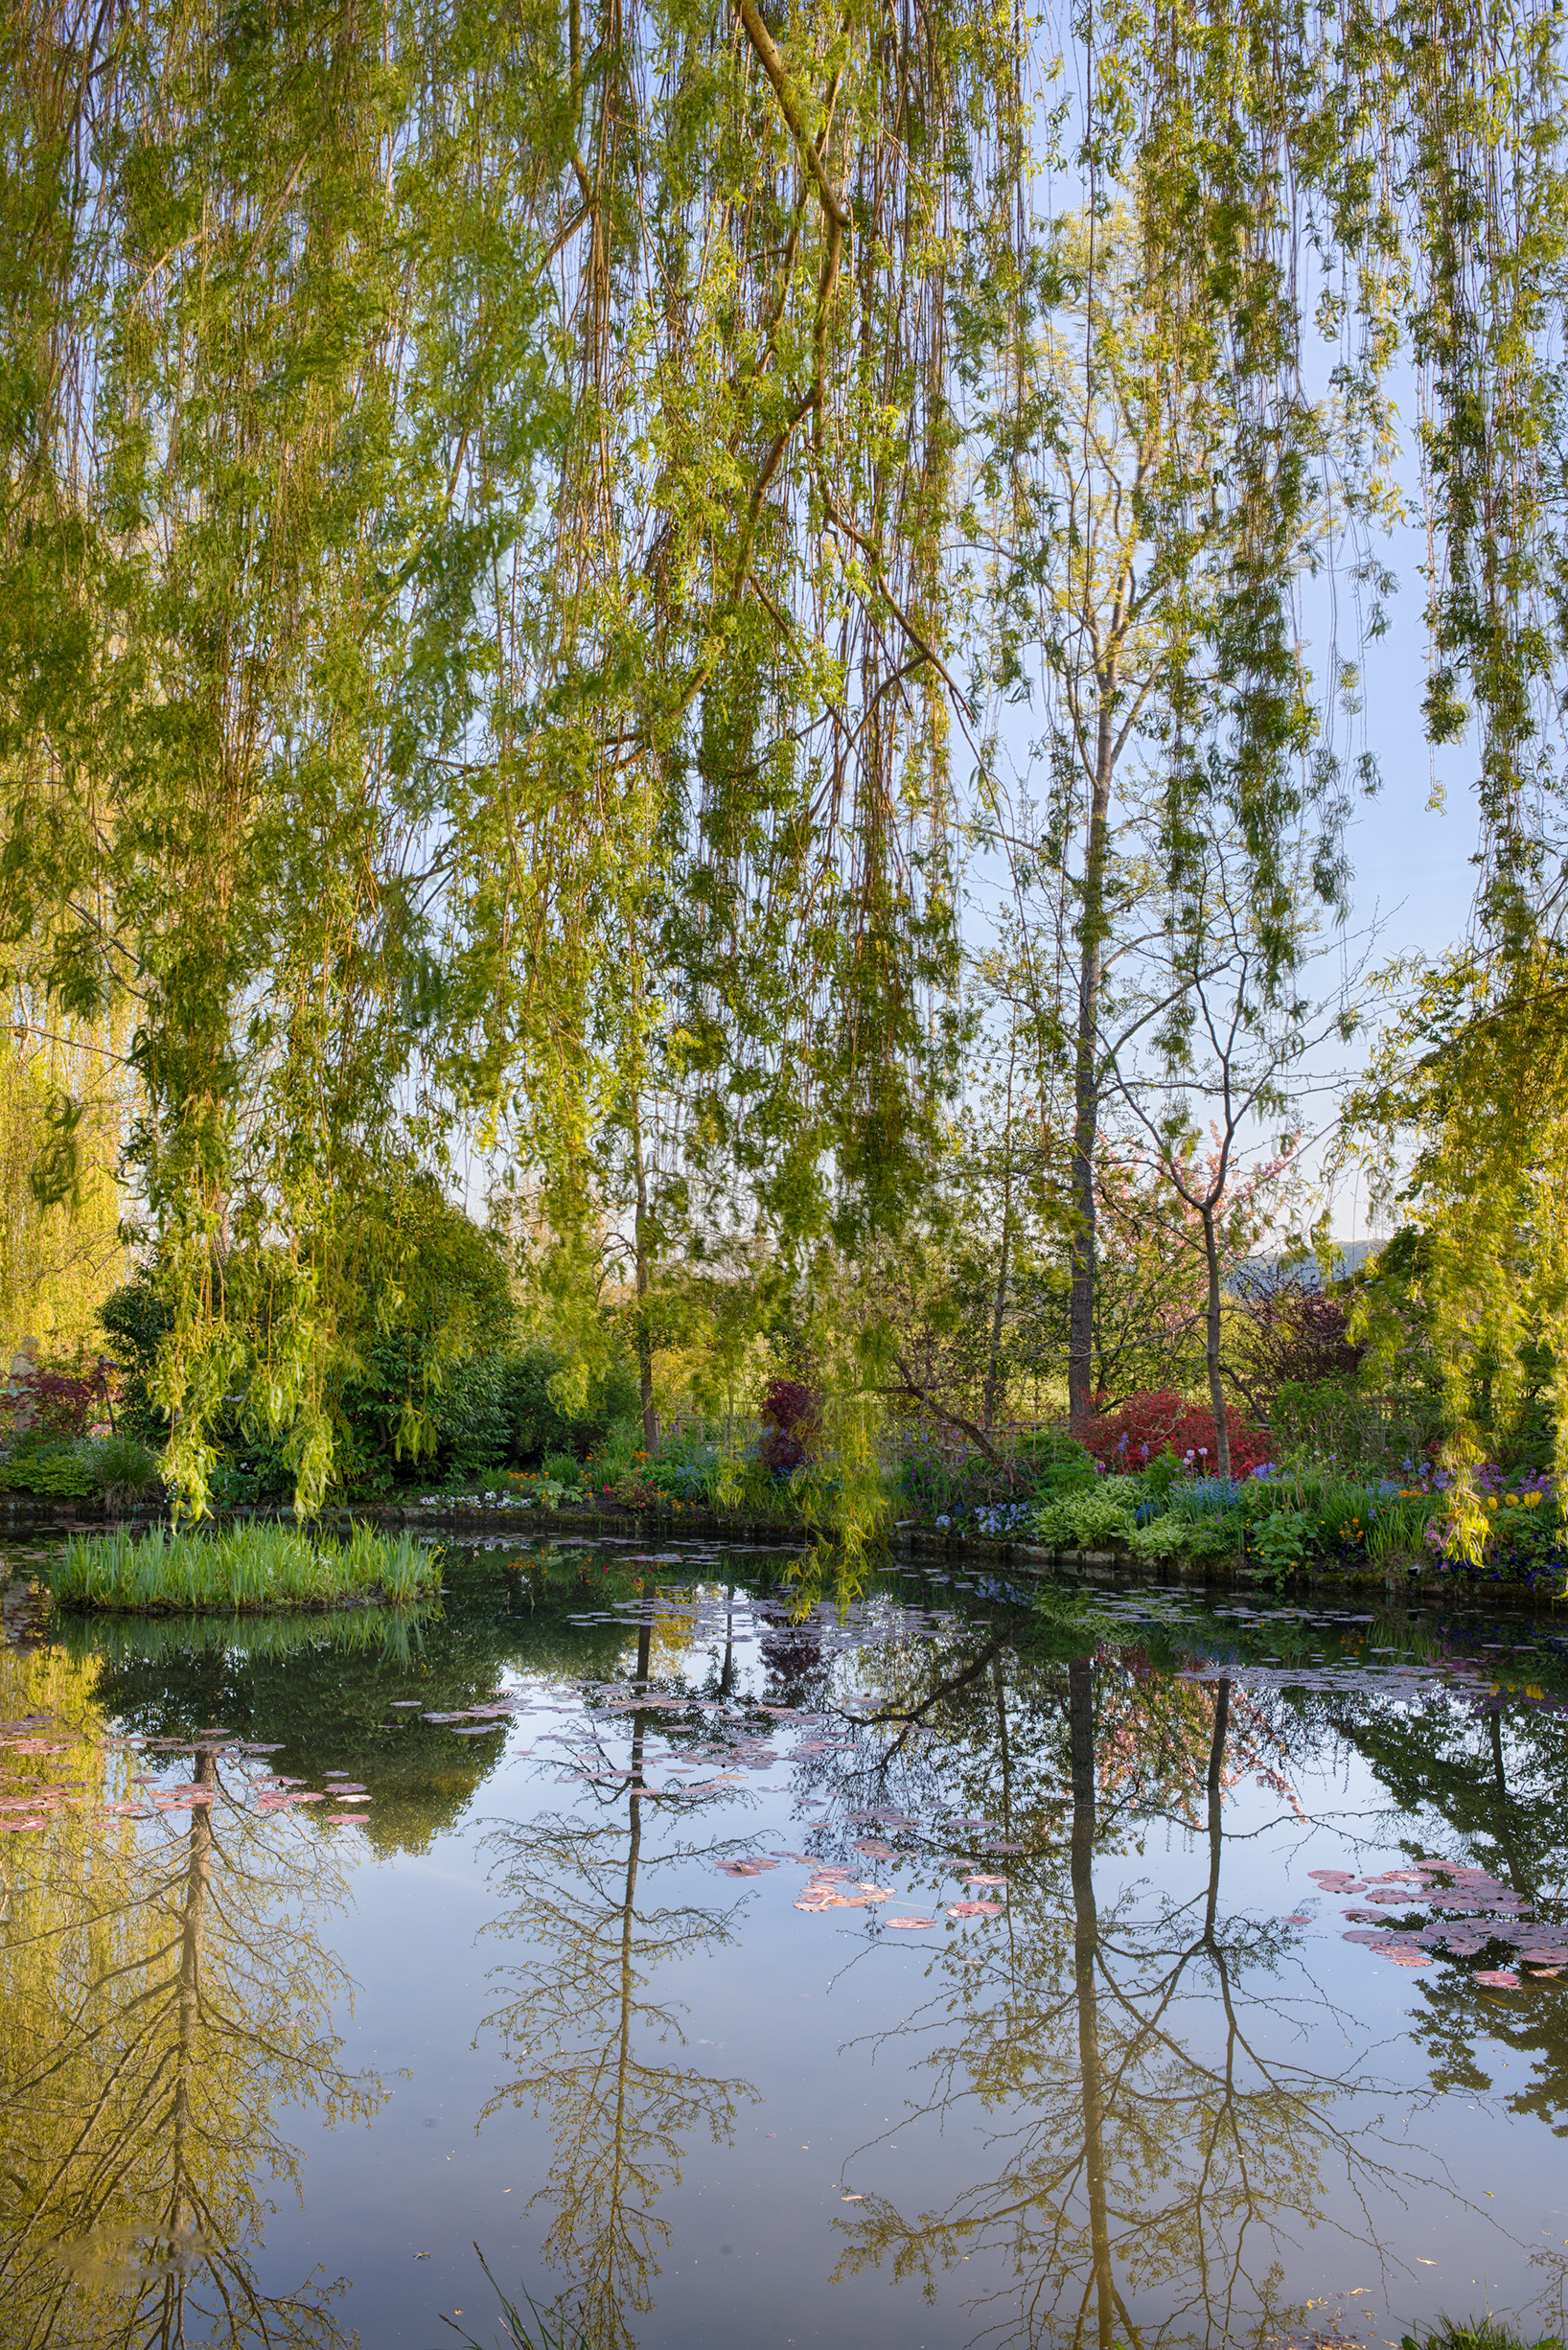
(1474, 2333)
(561, 2334)
(241, 1570)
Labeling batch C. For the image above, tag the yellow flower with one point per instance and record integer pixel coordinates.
(1533, 1501)
(1509, 1499)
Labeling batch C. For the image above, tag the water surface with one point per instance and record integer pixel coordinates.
(736, 1961)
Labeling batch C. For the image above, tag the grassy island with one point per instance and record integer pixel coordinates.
(241, 1570)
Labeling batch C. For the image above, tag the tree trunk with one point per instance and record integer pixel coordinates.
(1216, 1390)
(1086, 1091)
(644, 1279)
(999, 1308)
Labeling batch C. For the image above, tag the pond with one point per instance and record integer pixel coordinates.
(736, 1961)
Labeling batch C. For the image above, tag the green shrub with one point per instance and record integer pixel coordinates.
(1053, 1464)
(241, 1568)
(1162, 1473)
(539, 1424)
(135, 1318)
(1172, 1536)
(1283, 1540)
(1338, 1419)
(123, 1468)
(1129, 1493)
(56, 1472)
(1084, 1521)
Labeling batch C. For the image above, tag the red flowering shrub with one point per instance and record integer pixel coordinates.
(1127, 1440)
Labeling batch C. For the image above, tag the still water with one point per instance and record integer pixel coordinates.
(737, 1962)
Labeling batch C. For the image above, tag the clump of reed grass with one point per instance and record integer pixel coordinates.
(1474, 2333)
(553, 2333)
(241, 1570)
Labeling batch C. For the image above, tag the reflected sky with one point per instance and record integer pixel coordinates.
(335, 1952)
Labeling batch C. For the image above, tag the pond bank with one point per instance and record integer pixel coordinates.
(907, 1542)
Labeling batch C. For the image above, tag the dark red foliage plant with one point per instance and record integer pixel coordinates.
(792, 1418)
(57, 1405)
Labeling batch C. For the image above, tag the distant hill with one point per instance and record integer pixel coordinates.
(1348, 1255)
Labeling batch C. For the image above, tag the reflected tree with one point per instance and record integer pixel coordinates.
(602, 2035)
(1146, 2147)
(163, 1993)
(1480, 1783)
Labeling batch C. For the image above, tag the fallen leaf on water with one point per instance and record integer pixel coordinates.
(851, 2199)
(986, 1880)
(911, 1921)
(974, 1909)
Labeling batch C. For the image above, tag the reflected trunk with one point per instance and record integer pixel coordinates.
(1085, 1948)
(181, 2211)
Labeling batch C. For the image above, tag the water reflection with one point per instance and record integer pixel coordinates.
(1168, 2115)
(1464, 1779)
(598, 2042)
(1151, 2149)
(164, 1990)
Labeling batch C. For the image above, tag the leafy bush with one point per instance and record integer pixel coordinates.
(1291, 1330)
(1127, 1492)
(1052, 1463)
(1174, 1536)
(54, 1407)
(57, 1472)
(539, 1423)
(135, 1318)
(1338, 1421)
(1083, 1521)
(1284, 1539)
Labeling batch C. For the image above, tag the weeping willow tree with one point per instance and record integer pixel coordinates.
(60, 1249)
(1470, 1095)
(473, 608)
(485, 582)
